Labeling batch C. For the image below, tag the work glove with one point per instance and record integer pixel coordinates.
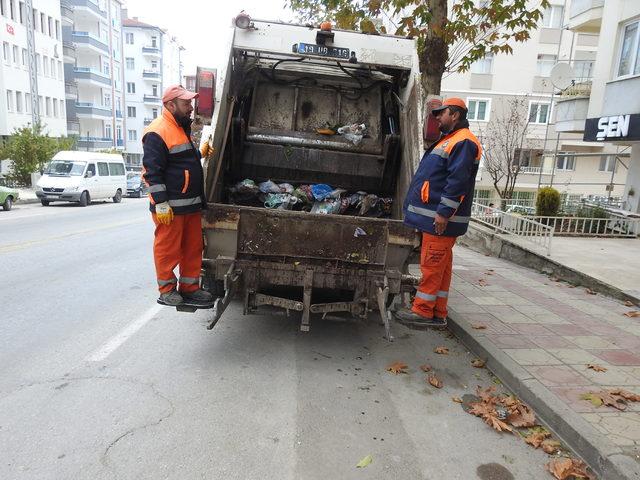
(206, 149)
(164, 213)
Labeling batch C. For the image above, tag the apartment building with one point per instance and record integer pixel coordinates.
(152, 62)
(94, 73)
(560, 158)
(608, 113)
(31, 69)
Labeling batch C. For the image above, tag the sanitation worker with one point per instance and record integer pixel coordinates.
(173, 171)
(438, 204)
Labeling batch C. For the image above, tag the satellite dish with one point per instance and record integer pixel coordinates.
(562, 75)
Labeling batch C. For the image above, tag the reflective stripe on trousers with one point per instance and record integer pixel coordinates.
(436, 258)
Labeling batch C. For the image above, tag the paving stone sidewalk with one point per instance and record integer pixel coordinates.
(554, 330)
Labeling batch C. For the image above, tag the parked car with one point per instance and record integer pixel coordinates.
(82, 177)
(135, 186)
(521, 209)
(7, 197)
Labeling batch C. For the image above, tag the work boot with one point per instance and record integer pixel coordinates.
(414, 320)
(198, 297)
(172, 298)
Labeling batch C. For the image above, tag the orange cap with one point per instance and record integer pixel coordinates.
(451, 102)
(177, 91)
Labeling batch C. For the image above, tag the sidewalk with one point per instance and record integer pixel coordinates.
(540, 336)
(27, 195)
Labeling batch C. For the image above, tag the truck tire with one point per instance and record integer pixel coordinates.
(117, 197)
(8, 203)
(45, 203)
(84, 199)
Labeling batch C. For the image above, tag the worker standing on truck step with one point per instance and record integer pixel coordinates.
(173, 171)
(438, 204)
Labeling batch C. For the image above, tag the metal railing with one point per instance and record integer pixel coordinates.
(614, 226)
(525, 228)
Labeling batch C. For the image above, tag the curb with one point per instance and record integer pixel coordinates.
(606, 459)
(27, 201)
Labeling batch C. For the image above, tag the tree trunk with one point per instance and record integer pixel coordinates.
(435, 52)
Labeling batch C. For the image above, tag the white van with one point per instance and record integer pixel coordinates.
(82, 177)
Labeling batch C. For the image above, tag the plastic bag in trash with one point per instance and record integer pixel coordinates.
(286, 187)
(269, 187)
(302, 196)
(337, 193)
(245, 186)
(282, 201)
(368, 203)
(354, 133)
(321, 191)
(326, 207)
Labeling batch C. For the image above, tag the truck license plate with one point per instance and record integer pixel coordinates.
(323, 51)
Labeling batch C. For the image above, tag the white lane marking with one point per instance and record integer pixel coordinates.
(127, 332)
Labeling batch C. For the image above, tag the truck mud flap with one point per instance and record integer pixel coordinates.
(231, 281)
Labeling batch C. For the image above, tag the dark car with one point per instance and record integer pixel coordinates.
(135, 186)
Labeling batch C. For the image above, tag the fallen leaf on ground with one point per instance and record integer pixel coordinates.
(482, 282)
(425, 368)
(632, 314)
(566, 468)
(521, 416)
(456, 399)
(486, 409)
(589, 291)
(632, 397)
(442, 350)
(478, 363)
(594, 399)
(629, 303)
(435, 381)
(551, 446)
(478, 326)
(488, 272)
(365, 461)
(616, 398)
(596, 368)
(536, 439)
(397, 367)
(554, 279)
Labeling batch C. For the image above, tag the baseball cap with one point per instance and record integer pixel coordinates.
(451, 102)
(177, 91)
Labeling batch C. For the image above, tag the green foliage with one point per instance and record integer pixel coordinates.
(471, 30)
(547, 202)
(29, 149)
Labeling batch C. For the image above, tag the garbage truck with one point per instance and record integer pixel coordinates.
(316, 132)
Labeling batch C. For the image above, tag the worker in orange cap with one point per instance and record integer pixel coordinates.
(438, 204)
(173, 171)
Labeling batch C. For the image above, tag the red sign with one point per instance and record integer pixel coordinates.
(10, 29)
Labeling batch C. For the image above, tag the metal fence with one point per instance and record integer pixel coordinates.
(614, 226)
(531, 231)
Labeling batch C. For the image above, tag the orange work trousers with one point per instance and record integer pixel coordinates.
(179, 243)
(436, 259)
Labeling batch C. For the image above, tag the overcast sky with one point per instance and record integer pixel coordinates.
(201, 25)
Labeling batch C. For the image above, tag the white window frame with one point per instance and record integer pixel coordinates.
(27, 103)
(540, 72)
(131, 87)
(487, 110)
(566, 156)
(608, 167)
(132, 135)
(635, 59)
(129, 38)
(131, 110)
(538, 122)
(19, 104)
(483, 62)
(130, 63)
(551, 19)
(10, 101)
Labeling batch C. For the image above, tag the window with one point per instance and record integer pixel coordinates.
(482, 196)
(57, 30)
(55, 108)
(154, 42)
(154, 90)
(53, 67)
(154, 113)
(629, 52)
(119, 132)
(105, 68)
(27, 103)
(565, 161)
(2, 7)
(43, 23)
(131, 87)
(131, 112)
(103, 169)
(16, 55)
(91, 168)
(19, 104)
(5, 51)
(12, 9)
(128, 38)
(132, 135)
(107, 131)
(50, 26)
(478, 109)
(154, 64)
(130, 63)
(35, 19)
(608, 163)
(47, 106)
(106, 100)
(10, 100)
(40, 104)
(24, 57)
(21, 12)
(538, 112)
(553, 16)
(60, 70)
(545, 64)
(484, 65)
(116, 169)
(45, 66)
(38, 64)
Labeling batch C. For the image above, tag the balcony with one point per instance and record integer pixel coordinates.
(151, 51)
(86, 143)
(71, 90)
(73, 128)
(69, 52)
(154, 99)
(85, 40)
(89, 7)
(586, 15)
(92, 110)
(620, 96)
(66, 13)
(90, 75)
(147, 121)
(120, 142)
(535, 171)
(151, 74)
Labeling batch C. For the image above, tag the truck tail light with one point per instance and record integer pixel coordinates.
(431, 131)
